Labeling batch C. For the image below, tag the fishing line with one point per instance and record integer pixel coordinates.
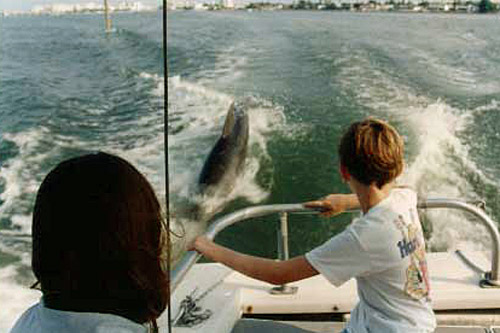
(165, 143)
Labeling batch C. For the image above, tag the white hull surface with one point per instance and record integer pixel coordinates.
(461, 305)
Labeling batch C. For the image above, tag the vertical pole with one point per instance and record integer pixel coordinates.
(283, 254)
(107, 19)
(284, 235)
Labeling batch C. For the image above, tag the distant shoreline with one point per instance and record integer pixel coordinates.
(371, 7)
(402, 11)
(81, 8)
(424, 6)
(27, 13)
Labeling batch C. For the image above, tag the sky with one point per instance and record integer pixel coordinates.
(28, 4)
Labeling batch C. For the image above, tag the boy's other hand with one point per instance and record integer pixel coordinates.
(330, 205)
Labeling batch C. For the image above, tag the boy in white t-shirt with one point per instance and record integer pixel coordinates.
(384, 249)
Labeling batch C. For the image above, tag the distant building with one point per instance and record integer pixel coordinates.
(6, 13)
(135, 6)
(171, 5)
(90, 7)
(60, 8)
(200, 6)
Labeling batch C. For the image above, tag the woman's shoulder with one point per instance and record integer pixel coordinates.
(41, 319)
(28, 322)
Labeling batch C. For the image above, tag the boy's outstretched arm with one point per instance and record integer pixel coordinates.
(274, 272)
(334, 204)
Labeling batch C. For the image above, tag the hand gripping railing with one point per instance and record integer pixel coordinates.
(191, 257)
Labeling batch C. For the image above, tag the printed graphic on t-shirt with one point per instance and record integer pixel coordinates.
(412, 245)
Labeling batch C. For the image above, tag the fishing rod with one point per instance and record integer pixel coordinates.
(165, 142)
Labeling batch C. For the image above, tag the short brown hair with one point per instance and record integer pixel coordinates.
(372, 151)
(98, 240)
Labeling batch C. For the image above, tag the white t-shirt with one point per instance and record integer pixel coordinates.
(385, 251)
(40, 319)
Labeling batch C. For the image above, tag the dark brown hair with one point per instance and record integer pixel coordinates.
(372, 151)
(98, 240)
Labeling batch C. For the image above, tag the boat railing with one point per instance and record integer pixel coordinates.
(490, 279)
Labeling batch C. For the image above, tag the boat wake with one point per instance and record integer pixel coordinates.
(439, 149)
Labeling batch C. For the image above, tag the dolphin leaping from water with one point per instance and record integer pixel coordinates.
(227, 158)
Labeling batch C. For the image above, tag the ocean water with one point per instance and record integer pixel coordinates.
(67, 89)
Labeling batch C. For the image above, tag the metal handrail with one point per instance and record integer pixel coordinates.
(191, 257)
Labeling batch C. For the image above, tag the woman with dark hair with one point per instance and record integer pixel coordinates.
(98, 250)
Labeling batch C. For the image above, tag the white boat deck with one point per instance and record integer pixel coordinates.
(456, 297)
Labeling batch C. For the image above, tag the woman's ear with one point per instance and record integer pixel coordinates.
(344, 174)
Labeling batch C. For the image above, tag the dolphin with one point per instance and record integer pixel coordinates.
(220, 171)
(227, 158)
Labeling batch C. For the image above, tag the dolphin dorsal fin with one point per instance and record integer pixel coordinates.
(229, 124)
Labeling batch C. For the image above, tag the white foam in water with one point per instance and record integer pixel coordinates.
(465, 75)
(40, 146)
(228, 66)
(438, 170)
(435, 172)
(493, 105)
(18, 298)
(19, 176)
(436, 128)
(158, 91)
(440, 158)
